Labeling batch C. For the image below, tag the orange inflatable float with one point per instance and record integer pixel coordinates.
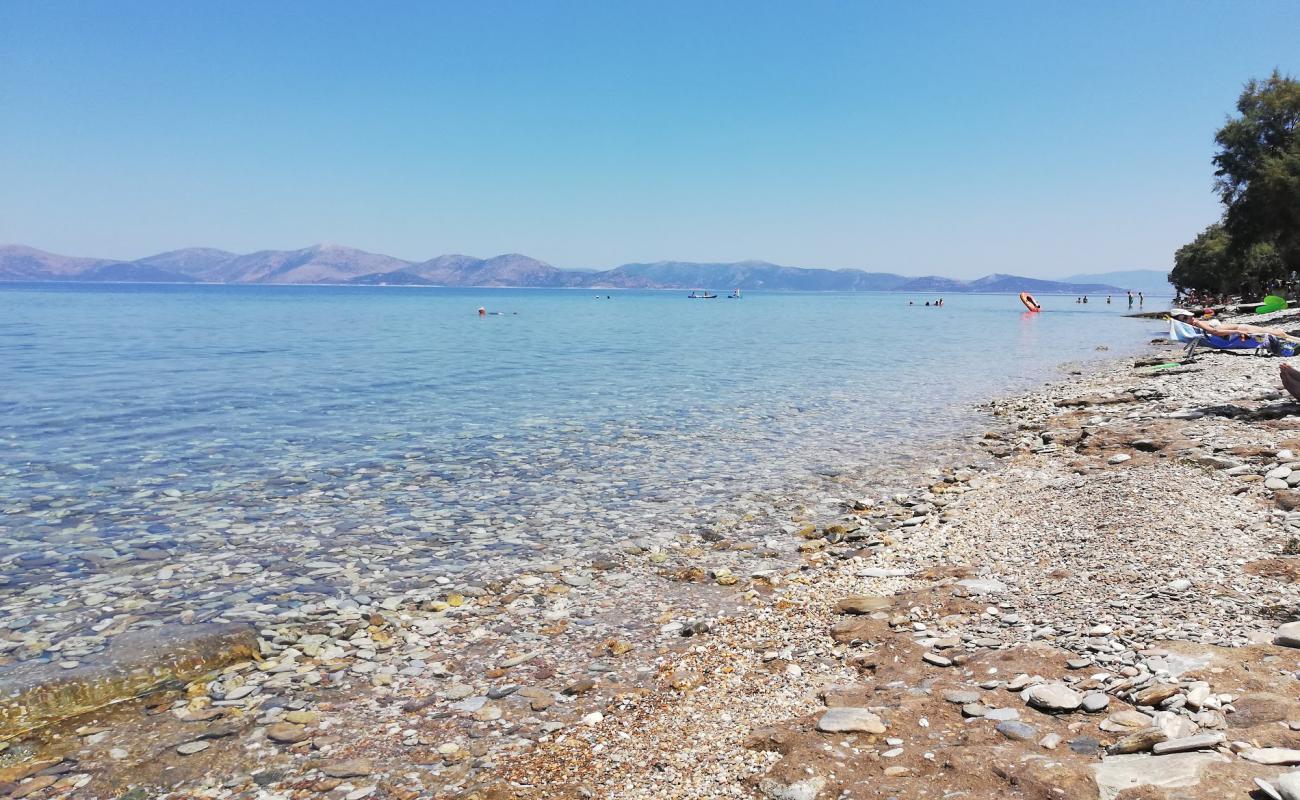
(1030, 302)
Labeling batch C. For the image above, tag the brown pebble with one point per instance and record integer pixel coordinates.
(351, 768)
(286, 733)
(34, 785)
(580, 687)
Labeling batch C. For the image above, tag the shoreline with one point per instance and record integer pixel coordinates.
(924, 661)
(499, 710)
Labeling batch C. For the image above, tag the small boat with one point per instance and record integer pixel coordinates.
(735, 295)
(701, 295)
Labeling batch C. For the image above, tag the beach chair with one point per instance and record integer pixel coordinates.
(1195, 337)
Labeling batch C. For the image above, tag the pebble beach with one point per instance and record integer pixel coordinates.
(1088, 598)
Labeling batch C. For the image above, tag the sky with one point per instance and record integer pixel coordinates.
(1036, 138)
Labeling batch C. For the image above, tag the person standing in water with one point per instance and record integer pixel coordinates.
(1141, 299)
(482, 312)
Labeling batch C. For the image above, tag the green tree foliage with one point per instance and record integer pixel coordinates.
(1214, 263)
(1202, 264)
(1258, 168)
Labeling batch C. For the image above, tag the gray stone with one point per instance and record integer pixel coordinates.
(1269, 791)
(1204, 741)
(459, 691)
(1273, 756)
(1052, 697)
(936, 659)
(1287, 635)
(850, 720)
(1288, 785)
(1095, 702)
(806, 789)
(1002, 714)
(190, 748)
(1175, 726)
(1177, 771)
(1017, 731)
(961, 697)
(982, 585)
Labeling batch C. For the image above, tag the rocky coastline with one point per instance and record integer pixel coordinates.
(1091, 602)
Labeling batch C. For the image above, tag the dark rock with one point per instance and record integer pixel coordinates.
(1084, 745)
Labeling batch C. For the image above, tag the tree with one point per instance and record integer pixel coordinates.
(1214, 262)
(1201, 264)
(1258, 170)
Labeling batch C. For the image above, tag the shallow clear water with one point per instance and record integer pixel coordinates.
(278, 421)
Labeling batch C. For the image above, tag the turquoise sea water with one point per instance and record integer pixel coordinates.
(138, 419)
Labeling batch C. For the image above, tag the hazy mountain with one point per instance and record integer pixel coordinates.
(1013, 283)
(132, 271)
(323, 263)
(511, 269)
(327, 263)
(391, 279)
(742, 274)
(21, 263)
(200, 263)
(1150, 281)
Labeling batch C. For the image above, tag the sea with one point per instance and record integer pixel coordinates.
(282, 428)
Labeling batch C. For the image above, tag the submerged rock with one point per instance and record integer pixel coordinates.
(136, 663)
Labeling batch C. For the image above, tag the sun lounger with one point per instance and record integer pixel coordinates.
(1194, 337)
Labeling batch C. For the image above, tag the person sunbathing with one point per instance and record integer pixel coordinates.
(1217, 328)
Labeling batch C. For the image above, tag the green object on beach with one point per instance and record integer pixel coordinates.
(1271, 303)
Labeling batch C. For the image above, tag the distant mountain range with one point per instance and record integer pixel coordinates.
(1150, 281)
(334, 264)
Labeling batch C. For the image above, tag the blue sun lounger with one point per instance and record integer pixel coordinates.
(1194, 337)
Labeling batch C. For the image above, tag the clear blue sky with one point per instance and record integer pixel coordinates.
(952, 138)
